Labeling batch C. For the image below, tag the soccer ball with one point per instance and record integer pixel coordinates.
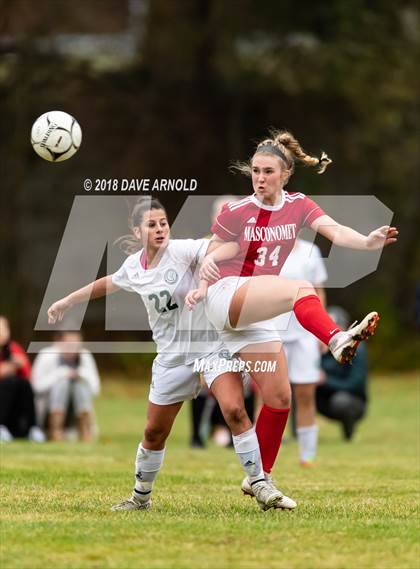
(55, 136)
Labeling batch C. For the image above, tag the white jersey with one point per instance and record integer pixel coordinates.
(304, 262)
(181, 335)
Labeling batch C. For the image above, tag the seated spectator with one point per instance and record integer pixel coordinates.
(343, 394)
(65, 376)
(17, 410)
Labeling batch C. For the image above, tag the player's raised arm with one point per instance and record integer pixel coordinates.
(344, 236)
(97, 289)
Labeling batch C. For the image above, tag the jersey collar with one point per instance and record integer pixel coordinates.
(142, 260)
(261, 205)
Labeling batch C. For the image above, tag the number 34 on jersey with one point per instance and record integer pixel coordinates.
(264, 257)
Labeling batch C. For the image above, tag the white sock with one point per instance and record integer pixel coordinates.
(248, 450)
(308, 442)
(148, 464)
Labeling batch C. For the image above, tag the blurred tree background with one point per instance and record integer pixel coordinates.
(180, 89)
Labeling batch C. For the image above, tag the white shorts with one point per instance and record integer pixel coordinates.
(218, 301)
(181, 383)
(303, 359)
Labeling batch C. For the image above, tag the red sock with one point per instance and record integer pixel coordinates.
(270, 428)
(313, 316)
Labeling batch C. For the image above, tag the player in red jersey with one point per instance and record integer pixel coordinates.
(249, 291)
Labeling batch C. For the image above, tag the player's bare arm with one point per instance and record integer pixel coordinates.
(97, 289)
(344, 236)
(197, 294)
(217, 251)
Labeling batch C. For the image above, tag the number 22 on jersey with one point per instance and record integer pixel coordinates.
(166, 296)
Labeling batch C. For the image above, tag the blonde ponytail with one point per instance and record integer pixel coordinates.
(286, 142)
(285, 146)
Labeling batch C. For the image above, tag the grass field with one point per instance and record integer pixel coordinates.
(357, 509)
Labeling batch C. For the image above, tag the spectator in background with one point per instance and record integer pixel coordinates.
(343, 394)
(17, 409)
(65, 376)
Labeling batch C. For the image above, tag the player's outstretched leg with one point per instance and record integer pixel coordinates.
(249, 305)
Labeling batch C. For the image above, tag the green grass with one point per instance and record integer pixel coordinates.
(357, 509)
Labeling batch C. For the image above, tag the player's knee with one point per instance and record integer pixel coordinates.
(235, 416)
(155, 435)
(303, 288)
(285, 401)
(280, 399)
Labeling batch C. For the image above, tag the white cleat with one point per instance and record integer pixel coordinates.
(282, 502)
(285, 503)
(132, 504)
(266, 495)
(343, 345)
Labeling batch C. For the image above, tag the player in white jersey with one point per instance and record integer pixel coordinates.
(161, 273)
(302, 349)
(248, 292)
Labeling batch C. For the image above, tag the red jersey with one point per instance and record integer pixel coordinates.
(11, 349)
(266, 234)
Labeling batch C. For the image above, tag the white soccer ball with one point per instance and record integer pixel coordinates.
(55, 136)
